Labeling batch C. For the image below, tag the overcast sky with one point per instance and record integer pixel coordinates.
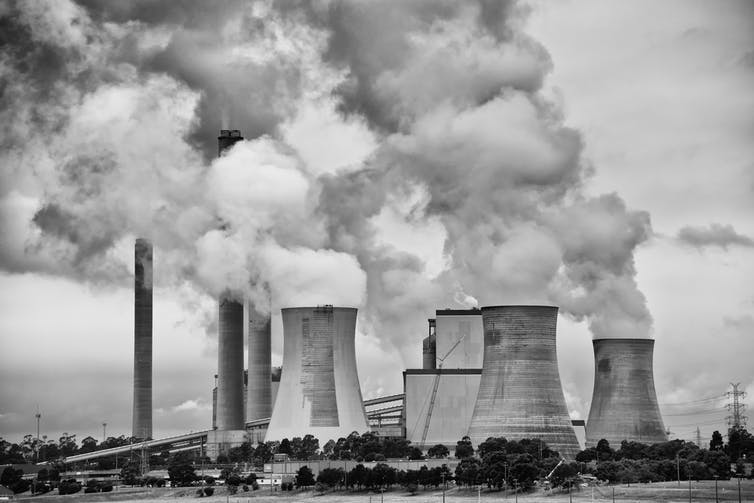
(595, 155)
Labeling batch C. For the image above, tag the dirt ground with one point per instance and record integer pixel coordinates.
(669, 492)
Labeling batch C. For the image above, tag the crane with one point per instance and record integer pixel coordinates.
(434, 388)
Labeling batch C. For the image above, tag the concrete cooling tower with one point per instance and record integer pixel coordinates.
(520, 395)
(624, 403)
(319, 390)
(142, 406)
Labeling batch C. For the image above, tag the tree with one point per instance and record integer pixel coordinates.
(285, 447)
(464, 449)
(604, 451)
(524, 470)
(130, 472)
(89, 444)
(438, 451)
(10, 476)
(740, 444)
(331, 477)
(716, 444)
(415, 454)
(304, 448)
(358, 476)
(469, 471)
(383, 475)
(67, 444)
(180, 470)
(304, 477)
(564, 475)
(263, 453)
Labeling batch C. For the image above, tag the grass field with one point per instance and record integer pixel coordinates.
(663, 492)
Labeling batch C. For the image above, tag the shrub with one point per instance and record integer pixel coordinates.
(245, 488)
(209, 491)
(106, 488)
(69, 486)
(209, 480)
(200, 493)
(412, 487)
(320, 487)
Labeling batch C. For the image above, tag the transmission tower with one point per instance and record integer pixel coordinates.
(736, 420)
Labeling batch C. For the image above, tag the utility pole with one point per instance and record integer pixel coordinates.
(736, 420)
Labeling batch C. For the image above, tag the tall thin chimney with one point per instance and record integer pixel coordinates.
(230, 410)
(142, 405)
(259, 394)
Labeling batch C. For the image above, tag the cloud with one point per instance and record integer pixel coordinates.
(715, 235)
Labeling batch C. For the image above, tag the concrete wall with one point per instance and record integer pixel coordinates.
(319, 391)
(520, 395)
(465, 325)
(624, 402)
(452, 410)
(142, 402)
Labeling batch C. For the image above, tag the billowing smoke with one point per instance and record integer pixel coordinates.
(716, 234)
(110, 111)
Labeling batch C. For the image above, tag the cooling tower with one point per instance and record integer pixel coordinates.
(319, 390)
(142, 411)
(259, 387)
(520, 395)
(624, 403)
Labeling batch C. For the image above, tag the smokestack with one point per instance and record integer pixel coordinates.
(429, 347)
(520, 395)
(230, 410)
(319, 390)
(259, 387)
(624, 403)
(227, 138)
(230, 413)
(142, 405)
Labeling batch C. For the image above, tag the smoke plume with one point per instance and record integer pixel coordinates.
(716, 234)
(109, 114)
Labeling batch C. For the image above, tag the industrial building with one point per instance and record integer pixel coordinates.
(624, 403)
(319, 391)
(485, 372)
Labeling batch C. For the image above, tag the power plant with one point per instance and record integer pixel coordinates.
(142, 405)
(489, 372)
(520, 395)
(624, 403)
(319, 391)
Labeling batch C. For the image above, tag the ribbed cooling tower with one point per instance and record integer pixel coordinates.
(624, 403)
(319, 390)
(142, 412)
(520, 395)
(230, 413)
(259, 387)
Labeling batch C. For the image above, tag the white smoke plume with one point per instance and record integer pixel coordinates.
(109, 117)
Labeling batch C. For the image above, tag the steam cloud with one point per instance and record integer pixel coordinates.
(714, 235)
(109, 116)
